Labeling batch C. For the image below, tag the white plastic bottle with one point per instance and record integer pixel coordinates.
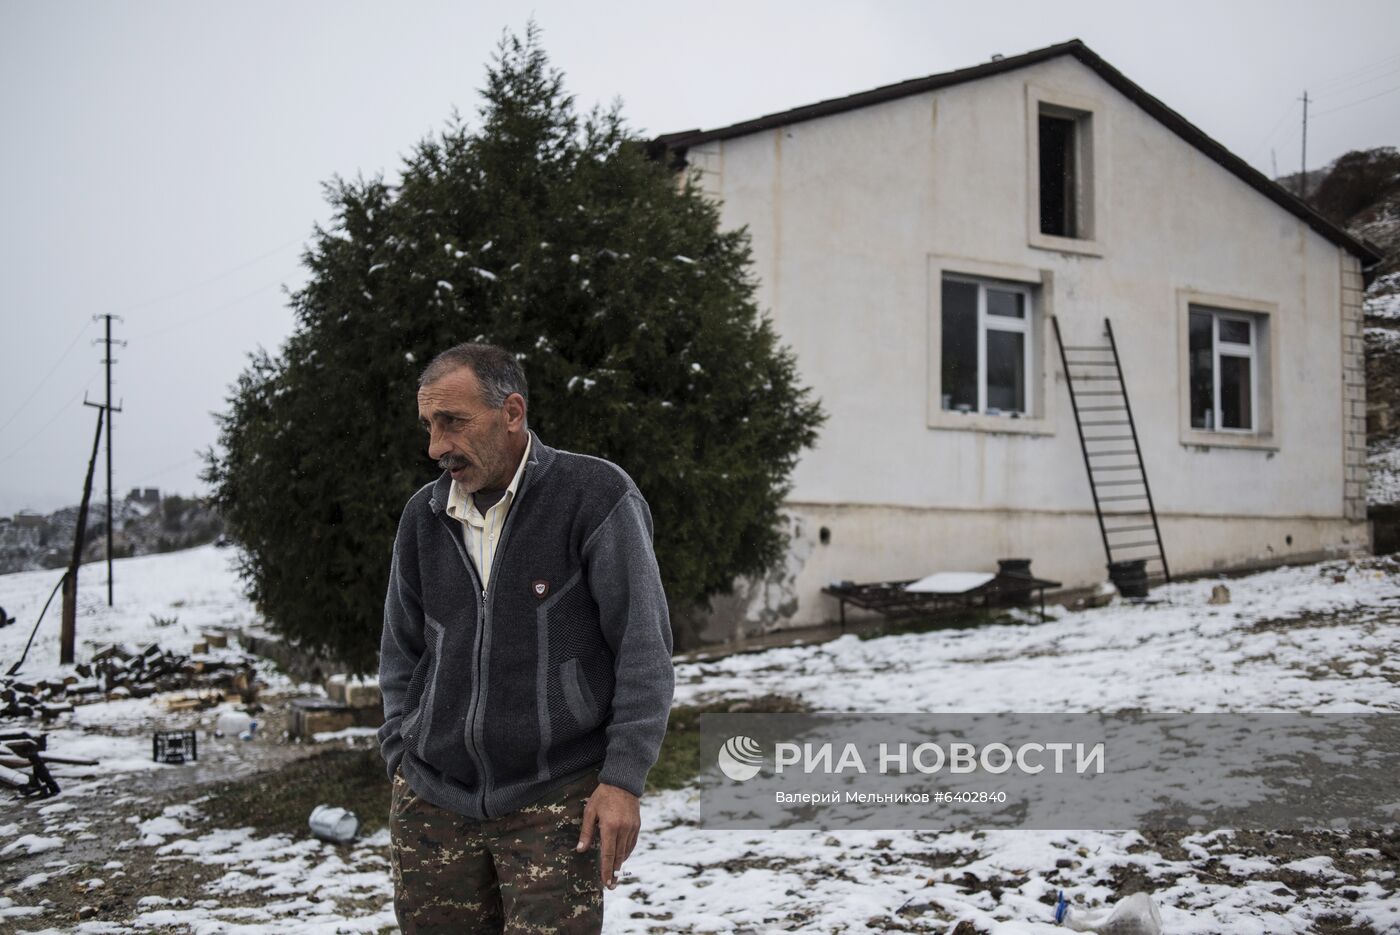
(1134, 915)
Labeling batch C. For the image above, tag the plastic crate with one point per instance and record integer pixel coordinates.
(174, 746)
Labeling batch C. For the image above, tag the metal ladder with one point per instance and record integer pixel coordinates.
(1117, 477)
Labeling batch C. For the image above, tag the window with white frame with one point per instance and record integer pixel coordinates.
(1225, 361)
(986, 348)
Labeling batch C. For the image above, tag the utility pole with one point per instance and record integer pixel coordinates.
(68, 631)
(109, 360)
(1304, 183)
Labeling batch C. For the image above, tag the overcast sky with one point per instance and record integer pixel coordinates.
(164, 161)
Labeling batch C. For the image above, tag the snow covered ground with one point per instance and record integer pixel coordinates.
(1320, 638)
(1383, 298)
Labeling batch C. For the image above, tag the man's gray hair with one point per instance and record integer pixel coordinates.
(496, 369)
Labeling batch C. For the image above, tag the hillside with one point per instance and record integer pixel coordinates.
(141, 526)
(1361, 192)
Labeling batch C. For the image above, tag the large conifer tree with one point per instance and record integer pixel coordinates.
(554, 236)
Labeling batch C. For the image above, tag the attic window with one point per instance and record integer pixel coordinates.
(1065, 161)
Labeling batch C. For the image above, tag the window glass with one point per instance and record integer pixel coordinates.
(1007, 304)
(1234, 331)
(1234, 392)
(959, 345)
(1006, 357)
(1202, 354)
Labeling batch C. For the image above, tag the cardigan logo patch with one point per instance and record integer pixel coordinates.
(540, 587)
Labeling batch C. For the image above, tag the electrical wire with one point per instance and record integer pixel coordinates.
(40, 385)
(47, 425)
(215, 278)
(1384, 74)
(1361, 101)
(1329, 85)
(194, 319)
(1264, 142)
(22, 656)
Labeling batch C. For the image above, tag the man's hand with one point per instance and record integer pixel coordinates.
(618, 815)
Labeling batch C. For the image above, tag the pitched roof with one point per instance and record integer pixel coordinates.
(679, 142)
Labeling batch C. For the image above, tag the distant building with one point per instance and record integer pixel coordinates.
(28, 519)
(144, 495)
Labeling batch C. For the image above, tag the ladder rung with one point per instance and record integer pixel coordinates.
(1092, 363)
(1134, 545)
(1099, 393)
(1103, 408)
(1080, 376)
(1106, 454)
(1117, 467)
(1112, 422)
(1141, 496)
(1108, 438)
(1129, 528)
(1087, 347)
(1115, 483)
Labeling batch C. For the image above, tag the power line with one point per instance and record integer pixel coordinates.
(1330, 84)
(40, 385)
(215, 278)
(1361, 101)
(52, 419)
(143, 478)
(202, 315)
(1284, 116)
(161, 298)
(1378, 77)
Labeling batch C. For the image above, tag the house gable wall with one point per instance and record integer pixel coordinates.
(855, 215)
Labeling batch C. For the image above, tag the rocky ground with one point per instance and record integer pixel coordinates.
(1382, 336)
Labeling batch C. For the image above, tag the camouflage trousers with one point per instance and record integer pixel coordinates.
(518, 874)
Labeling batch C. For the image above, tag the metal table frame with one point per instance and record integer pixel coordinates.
(890, 599)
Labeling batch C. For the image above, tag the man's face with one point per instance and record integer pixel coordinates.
(467, 437)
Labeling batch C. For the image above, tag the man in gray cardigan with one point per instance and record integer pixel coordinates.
(525, 665)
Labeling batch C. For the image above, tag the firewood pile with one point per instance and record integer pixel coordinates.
(116, 672)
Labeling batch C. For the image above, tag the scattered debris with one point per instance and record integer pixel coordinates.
(1219, 595)
(116, 672)
(1102, 595)
(1135, 914)
(349, 702)
(337, 825)
(21, 748)
(311, 716)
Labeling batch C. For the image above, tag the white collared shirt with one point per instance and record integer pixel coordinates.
(482, 533)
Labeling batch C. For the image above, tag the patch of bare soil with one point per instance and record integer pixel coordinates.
(275, 799)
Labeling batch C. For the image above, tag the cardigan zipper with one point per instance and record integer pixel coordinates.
(488, 600)
(484, 621)
(477, 756)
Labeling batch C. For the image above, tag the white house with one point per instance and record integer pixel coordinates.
(915, 246)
